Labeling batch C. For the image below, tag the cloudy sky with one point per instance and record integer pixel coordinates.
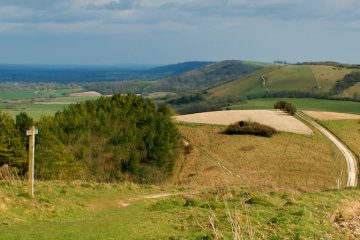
(170, 31)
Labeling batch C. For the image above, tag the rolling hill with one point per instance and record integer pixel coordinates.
(293, 81)
(206, 76)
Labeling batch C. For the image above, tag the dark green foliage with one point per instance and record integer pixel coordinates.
(185, 99)
(117, 138)
(12, 145)
(53, 159)
(348, 81)
(249, 128)
(23, 122)
(110, 139)
(132, 86)
(286, 107)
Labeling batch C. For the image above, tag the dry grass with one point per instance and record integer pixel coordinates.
(273, 118)
(85, 94)
(331, 115)
(348, 131)
(326, 76)
(285, 161)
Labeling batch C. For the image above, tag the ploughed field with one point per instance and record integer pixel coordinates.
(332, 115)
(273, 118)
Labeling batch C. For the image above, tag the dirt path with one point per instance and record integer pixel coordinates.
(350, 158)
(111, 203)
(264, 83)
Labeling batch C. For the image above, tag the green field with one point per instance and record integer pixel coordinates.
(41, 107)
(303, 104)
(75, 210)
(20, 95)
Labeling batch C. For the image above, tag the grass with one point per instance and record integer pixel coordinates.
(348, 131)
(63, 211)
(326, 76)
(316, 79)
(20, 95)
(291, 78)
(285, 161)
(248, 85)
(41, 107)
(303, 104)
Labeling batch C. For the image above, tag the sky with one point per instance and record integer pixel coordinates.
(109, 32)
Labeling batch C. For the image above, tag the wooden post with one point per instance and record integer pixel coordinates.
(31, 133)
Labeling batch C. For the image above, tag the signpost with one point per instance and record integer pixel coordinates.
(31, 133)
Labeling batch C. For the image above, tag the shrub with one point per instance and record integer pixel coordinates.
(249, 128)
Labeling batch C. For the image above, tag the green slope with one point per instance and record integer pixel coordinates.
(207, 76)
(310, 79)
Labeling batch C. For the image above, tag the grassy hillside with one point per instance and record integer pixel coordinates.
(205, 77)
(315, 80)
(348, 131)
(302, 104)
(285, 161)
(75, 210)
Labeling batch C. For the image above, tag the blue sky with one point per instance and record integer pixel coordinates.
(170, 31)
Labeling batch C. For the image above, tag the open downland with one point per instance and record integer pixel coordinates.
(61, 211)
(309, 104)
(285, 161)
(274, 118)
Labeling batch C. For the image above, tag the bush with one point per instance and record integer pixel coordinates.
(286, 107)
(249, 128)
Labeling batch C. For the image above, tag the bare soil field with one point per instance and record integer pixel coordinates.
(331, 115)
(85, 94)
(273, 118)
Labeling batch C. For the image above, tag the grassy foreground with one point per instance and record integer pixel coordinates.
(99, 211)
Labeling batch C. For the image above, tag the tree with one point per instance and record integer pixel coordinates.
(285, 106)
(23, 122)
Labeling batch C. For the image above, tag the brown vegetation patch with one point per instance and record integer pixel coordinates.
(347, 219)
(210, 169)
(86, 94)
(247, 148)
(107, 204)
(331, 115)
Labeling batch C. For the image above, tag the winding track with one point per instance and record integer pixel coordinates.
(350, 159)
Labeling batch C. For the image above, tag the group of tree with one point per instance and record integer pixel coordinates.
(123, 137)
(285, 106)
